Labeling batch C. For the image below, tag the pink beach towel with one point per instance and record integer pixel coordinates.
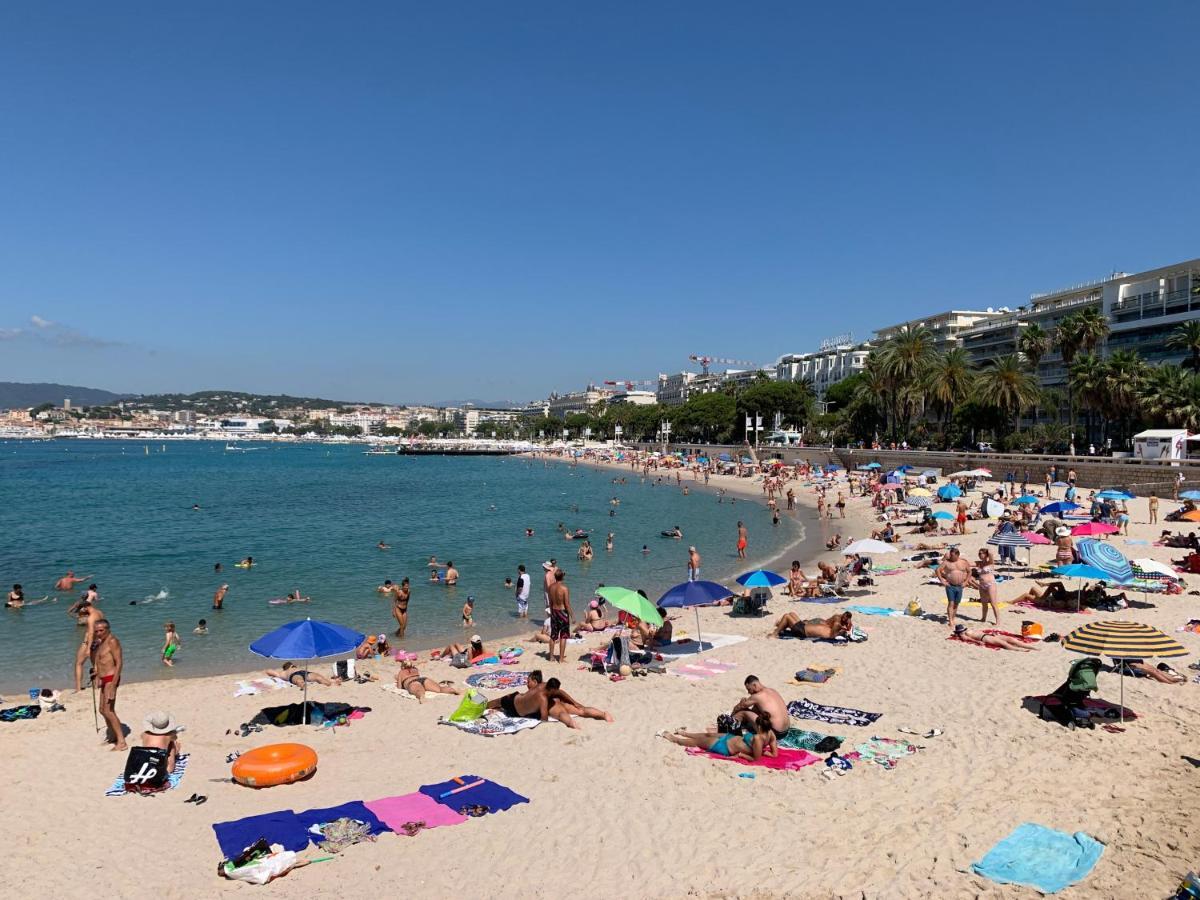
(787, 760)
(702, 669)
(417, 807)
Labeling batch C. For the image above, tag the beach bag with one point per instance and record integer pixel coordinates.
(913, 609)
(618, 653)
(470, 708)
(1031, 629)
(145, 770)
(459, 661)
(344, 669)
(727, 724)
(857, 635)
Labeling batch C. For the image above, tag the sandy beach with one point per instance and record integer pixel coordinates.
(614, 810)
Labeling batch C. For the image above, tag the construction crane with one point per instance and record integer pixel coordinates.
(706, 361)
(630, 385)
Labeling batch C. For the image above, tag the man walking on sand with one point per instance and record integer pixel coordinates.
(693, 564)
(560, 615)
(952, 574)
(107, 662)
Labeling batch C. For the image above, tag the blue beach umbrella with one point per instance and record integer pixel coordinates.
(1112, 494)
(942, 514)
(725, 457)
(905, 468)
(1025, 500)
(1107, 558)
(695, 594)
(1080, 571)
(872, 465)
(307, 640)
(833, 467)
(1059, 484)
(949, 492)
(760, 578)
(1190, 495)
(1057, 509)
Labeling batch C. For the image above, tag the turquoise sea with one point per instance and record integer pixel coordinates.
(311, 516)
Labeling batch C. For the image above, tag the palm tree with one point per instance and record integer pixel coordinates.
(1124, 372)
(1033, 344)
(1068, 339)
(1007, 385)
(1186, 337)
(1170, 394)
(874, 388)
(904, 359)
(1093, 328)
(948, 381)
(1087, 380)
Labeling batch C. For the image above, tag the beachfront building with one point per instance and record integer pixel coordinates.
(562, 405)
(633, 398)
(673, 390)
(836, 360)
(946, 327)
(367, 420)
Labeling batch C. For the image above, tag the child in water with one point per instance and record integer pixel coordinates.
(170, 644)
(467, 611)
(202, 628)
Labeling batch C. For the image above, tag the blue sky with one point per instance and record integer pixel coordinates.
(413, 202)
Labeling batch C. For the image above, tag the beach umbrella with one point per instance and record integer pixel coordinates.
(919, 501)
(1083, 572)
(631, 602)
(905, 468)
(1057, 509)
(1193, 516)
(1107, 558)
(942, 514)
(868, 547)
(1036, 537)
(1151, 568)
(760, 578)
(1010, 539)
(1121, 641)
(1190, 495)
(1025, 499)
(1113, 494)
(872, 465)
(694, 594)
(949, 491)
(1059, 484)
(920, 492)
(1089, 528)
(307, 639)
(725, 457)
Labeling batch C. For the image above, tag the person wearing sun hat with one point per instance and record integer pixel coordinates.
(1065, 554)
(162, 732)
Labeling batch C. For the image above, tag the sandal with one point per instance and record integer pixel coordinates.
(201, 799)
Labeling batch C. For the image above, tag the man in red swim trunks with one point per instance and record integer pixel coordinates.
(107, 662)
(741, 542)
(560, 615)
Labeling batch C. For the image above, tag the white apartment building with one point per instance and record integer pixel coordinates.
(946, 327)
(367, 421)
(634, 398)
(673, 389)
(836, 360)
(562, 405)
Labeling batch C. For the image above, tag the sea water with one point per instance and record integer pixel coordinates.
(312, 515)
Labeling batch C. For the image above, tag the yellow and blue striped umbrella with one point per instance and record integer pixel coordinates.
(1122, 640)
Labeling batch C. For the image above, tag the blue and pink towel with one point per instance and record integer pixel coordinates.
(291, 829)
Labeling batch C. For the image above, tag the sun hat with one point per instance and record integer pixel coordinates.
(1062, 531)
(371, 639)
(594, 605)
(476, 639)
(691, 549)
(547, 566)
(160, 722)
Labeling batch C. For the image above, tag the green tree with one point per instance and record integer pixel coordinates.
(1124, 373)
(1033, 344)
(1007, 385)
(1171, 396)
(904, 359)
(948, 380)
(1186, 337)
(1068, 339)
(792, 400)
(706, 417)
(268, 427)
(1087, 380)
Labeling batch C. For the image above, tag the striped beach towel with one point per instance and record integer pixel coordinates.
(118, 785)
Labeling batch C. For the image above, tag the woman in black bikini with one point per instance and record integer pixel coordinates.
(410, 679)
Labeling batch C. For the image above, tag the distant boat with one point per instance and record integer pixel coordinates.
(380, 451)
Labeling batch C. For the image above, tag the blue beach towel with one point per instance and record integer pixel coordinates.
(282, 827)
(876, 610)
(495, 797)
(1040, 858)
(352, 810)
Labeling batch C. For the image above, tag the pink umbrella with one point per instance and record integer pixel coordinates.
(1094, 528)
(1036, 537)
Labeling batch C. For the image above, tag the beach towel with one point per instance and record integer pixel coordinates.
(680, 649)
(395, 812)
(1040, 858)
(118, 785)
(17, 713)
(786, 761)
(835, 715)
(498, 681)
(883, 751)
(355, 809)
(1033, 604)
(800, 739)
(875, 610)
(1094, 705)
(259, 685)
(492, 723)
(701, 669)
(282, 827)
(829, 598)
(496, 797)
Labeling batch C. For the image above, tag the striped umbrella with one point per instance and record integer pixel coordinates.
(1107, 558)
(1148, 569)
(1122, 640)
(920, 492)
(919, 501)
(1010, 539)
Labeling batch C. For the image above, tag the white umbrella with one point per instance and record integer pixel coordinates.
(1153, 565)
(868, 547)
(971, 473)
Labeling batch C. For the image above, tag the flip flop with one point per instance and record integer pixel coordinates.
(907, 730)
(1115, 729)
(201, 799)
(932, 733)
(192, 799)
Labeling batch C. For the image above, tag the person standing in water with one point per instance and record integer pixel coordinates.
(170, 644)
(522, 592)
(107, 662)
(68, 581)
(741, 540)
(219, 597)
(693, 564)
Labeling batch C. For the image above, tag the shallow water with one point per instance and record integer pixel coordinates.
(311, 516)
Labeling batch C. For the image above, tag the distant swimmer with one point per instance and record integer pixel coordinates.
(382, 546)
(293, 597)
(675, 532)
(528, 532)
(433, 563)
(608, 542)
(195, 507)
(386, 588)
(68, 581)
(217, 568)
(219, 596)
(16, 598)
(645, 549)
(435, 577)
(246, 563)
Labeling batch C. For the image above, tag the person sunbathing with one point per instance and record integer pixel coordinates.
(474, 650)
(289, 672)
(1054, 595)
(529, 704)
(792, 625)
(648, 637)
(991, 638)
(1135, 668)
(563, 706)
(887, 534)
(750, 746)
(592, 619)
(410, 679)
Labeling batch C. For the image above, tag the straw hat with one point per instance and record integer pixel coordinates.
(1062, 531)
(160, 722)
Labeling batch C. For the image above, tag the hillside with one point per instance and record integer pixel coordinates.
(18, 395)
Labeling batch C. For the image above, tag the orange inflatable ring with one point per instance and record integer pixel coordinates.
(274, 764)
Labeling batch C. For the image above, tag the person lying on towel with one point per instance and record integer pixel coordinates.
(791, 625)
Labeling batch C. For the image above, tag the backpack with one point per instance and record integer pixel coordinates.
(145, 770)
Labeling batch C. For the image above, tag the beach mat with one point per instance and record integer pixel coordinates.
(702, 669)
(882, 751)
(874, 610)
(1040, 858)
(786, 761)
(258, 686)
(493, 723)
(835, 715)
(496, 797)
(281, 827)
(118, 785)
(802, 739)
(355, 809)
(498, 681)
(396, 812)
(690, 647)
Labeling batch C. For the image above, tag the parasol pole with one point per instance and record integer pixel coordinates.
(306, 666)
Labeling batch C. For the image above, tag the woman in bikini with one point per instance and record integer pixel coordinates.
(985, 581)
(410, 679)
(749, 746)
(297, 677)
(1065, 554)
(992, 638)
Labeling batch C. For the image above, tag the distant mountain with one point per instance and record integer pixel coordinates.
(16, 395)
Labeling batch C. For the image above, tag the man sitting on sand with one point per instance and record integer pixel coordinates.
(530, 704)
(792, 625)
(163, 733)
(563, 706)
(296, 676)
(409, 678)
(990, 638)
(762, 700)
